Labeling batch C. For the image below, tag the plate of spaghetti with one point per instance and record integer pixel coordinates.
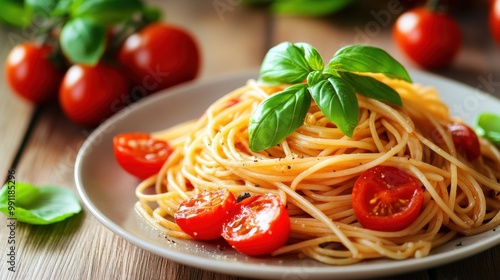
(399, 189)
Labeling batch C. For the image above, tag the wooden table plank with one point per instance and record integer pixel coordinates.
(16, 113)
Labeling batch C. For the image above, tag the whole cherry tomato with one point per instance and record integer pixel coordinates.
(258, 225)
(140, 154)
(160, 56)
(88, 94)
(431, 39)
(31, 73)
(202, 216)
(385, 198)
(465, 140)
(494, 20)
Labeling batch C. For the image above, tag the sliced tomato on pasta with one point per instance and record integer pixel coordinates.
(140, 154)
(202, 215)
(386, 198)
(465, 140)
(258, 225)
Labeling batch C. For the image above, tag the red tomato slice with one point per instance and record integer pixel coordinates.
(140, 154)
(258, 225)
(465, 140)
(202, 216)
(385, 198)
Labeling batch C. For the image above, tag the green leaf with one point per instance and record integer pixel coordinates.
(367, 59)
(488, 126)
(83, 41)
(152, 14)
(308, 7)
(63, 7)
(43, 6)
(370, 87)
(38, 205)
(337, 100)
(106, 11)
(15, 13)
(278, 116)
(289, 63)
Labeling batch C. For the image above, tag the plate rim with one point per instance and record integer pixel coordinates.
(258, 270)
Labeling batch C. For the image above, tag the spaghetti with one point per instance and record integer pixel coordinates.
(314, 169)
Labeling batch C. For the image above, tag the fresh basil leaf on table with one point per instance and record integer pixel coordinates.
(38, 205)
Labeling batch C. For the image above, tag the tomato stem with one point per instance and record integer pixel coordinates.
(436, 6)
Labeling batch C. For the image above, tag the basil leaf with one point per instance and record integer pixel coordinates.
(63, 7)
(367, 59)
(308, 7)
(43, 6)
(83, 40)
(38, 205)
(370, 87)
(289, 63)
(337, 100)
(315, 76)
(15, 13)
(488, 126)
(278, 116)
(106, 11)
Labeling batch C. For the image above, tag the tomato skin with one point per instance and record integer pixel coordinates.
(160, 56)
(465, 140)
(430, 39)
(87, 93)
(140, 154)
(203, 215)
(494, 20)
(257, 225)
(31, 74)
(382, 188)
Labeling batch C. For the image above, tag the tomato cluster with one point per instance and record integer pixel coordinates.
(157, 56)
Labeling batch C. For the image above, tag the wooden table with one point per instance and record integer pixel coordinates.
(40, 144)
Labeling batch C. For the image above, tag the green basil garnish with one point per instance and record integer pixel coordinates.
(333, 87)
(488, 126)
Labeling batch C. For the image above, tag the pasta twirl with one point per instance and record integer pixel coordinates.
(313, 170)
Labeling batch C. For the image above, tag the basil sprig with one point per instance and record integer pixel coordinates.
(333, 87)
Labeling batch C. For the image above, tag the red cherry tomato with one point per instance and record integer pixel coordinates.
(31, 73)
(465, 140)
(90, 94)
(202, 216)
(430, 39)
(494, 20)
(140, 154)
(385, 198)
(258, 225)
(160, 56)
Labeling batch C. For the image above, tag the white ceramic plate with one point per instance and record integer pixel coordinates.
(108, 192)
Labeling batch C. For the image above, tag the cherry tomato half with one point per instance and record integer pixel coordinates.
(465, 140)
(87, 94)
(202, 216)
(31, 74)
(385, 198)
(160, 56)
(140, 154)
(257, 225)
(430, 39)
